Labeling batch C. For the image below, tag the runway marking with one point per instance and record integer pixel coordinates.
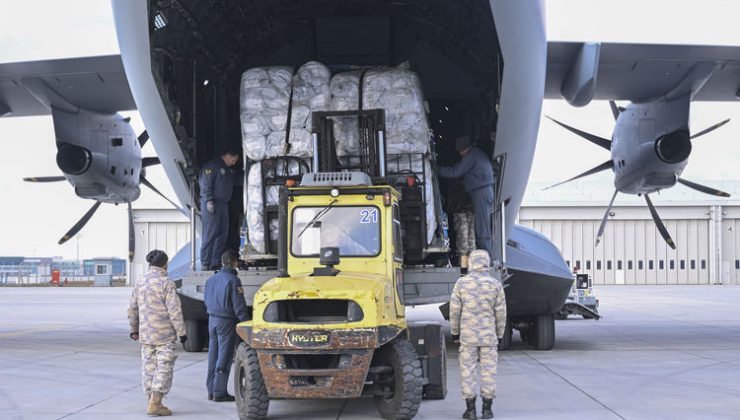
(341, 410)
(45, 328)
(115, 395)
(573, 385)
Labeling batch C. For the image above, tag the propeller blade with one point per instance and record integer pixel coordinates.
(604, 166)
(143, 138)
(606, 217)
(149, 161)
(45, 179)
(80, 224)
(131, 237)
(659, 223)
(615, 109)
(153, 188)
(703, 188)
(599, 141)
(710, 129)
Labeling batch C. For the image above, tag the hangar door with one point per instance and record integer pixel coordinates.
(632, 250)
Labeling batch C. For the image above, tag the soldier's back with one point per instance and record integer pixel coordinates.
(154, 318)
(479, 292)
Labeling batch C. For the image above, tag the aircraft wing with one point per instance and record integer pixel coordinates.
(579, 72)
(93, 83)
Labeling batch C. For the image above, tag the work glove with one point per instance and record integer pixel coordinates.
(455, 338)
(134, 336)
(211, 207)
(183, 339)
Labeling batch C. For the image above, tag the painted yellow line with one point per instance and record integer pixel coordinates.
(45, 328)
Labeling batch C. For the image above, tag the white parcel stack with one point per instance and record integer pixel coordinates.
(398, 91)
(276, 107)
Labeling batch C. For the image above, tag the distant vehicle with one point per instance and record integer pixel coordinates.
(581, 300)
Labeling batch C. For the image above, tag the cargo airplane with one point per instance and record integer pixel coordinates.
(485, 66)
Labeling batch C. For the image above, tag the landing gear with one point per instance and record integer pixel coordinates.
(538, 331)
(252, 401)
(403, 383)
(197, 332)
(544, 332)
(505, 342)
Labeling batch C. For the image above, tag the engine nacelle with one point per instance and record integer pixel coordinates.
(73, 159)
(673, 147)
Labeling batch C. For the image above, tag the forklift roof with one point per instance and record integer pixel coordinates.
(336, 179)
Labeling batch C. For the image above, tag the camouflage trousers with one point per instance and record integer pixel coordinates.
(157, 367)
(464, 224)
(471, 359)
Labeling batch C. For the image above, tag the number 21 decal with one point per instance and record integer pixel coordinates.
(369, 216)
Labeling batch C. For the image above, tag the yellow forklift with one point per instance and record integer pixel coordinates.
(332, 323)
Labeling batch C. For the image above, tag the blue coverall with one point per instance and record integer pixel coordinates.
(224, 299)
(216, 185)
(477, 173)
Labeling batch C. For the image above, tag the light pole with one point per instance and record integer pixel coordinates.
(78, 236)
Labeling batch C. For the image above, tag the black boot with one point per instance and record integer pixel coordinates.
(470, 412)
(487, 410)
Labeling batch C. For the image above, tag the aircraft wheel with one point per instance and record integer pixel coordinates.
(197, 332)
(505, 342)
(252, 401)
(544, 332)
(405, 381)
(436, 389)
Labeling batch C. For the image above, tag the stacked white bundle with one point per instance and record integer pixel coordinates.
(265, 100)
(255, 203)
(396, 90)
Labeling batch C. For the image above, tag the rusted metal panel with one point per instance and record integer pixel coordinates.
(245, 333)
(342, 382)
(291, 338)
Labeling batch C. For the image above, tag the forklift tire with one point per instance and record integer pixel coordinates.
(252, 400)
(505, 342)
(400, 355)
(544, 332)
(197, 332)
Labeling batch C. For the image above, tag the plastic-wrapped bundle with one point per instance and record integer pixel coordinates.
(345, 96)
(396, 90)
(255, 202)
(401, 164)
(264, 98)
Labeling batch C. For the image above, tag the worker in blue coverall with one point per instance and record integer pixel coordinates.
(216, 188)
(477, 172)
(225, 304)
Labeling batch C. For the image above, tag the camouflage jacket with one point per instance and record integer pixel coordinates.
(154, 309)
(478, 305)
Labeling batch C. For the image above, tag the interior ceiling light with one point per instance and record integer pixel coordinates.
(159, 21)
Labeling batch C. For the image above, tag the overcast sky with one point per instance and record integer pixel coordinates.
(34, 216)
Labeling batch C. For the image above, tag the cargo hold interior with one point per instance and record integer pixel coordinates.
(201, 48)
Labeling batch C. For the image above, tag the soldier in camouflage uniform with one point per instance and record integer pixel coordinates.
(155, 318)
(478, 320)
(458, 204)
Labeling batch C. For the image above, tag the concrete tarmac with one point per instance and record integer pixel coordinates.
(669, 352)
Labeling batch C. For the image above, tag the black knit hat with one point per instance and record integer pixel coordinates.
(463, 143)
(157, 258)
